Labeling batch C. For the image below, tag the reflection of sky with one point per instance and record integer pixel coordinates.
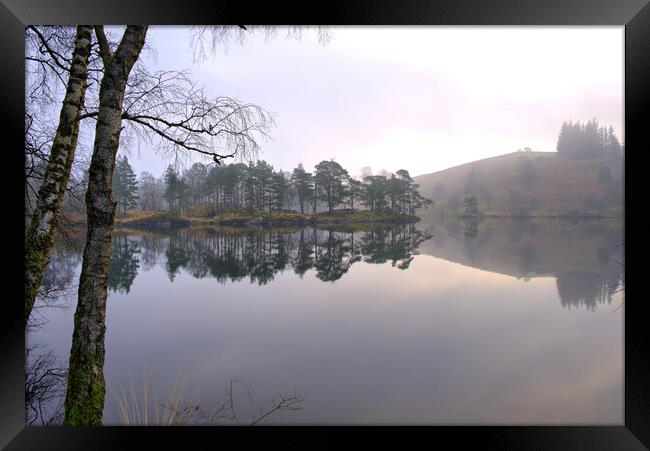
(437, 343)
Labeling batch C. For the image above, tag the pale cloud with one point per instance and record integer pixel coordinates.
(418, 98)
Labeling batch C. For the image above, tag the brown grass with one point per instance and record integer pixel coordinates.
(142, 407)
(563, 184)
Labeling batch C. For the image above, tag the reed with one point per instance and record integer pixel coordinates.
(140, 405)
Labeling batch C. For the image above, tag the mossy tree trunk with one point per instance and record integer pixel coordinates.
(40, 235)
(84, 402)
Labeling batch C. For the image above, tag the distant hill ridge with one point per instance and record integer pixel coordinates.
(530, 184)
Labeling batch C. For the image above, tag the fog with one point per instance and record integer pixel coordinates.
(419, 98)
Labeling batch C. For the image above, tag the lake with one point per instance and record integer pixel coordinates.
(499, 321)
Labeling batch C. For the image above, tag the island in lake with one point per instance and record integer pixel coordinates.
(257, 195)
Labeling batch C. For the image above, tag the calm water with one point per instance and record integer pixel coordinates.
(501, 322)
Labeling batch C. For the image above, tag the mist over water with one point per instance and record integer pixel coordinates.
(446, 322)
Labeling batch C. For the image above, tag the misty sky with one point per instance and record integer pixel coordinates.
(418, 98)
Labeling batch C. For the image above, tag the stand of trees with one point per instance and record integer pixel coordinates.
(588, 140)
(213, 189)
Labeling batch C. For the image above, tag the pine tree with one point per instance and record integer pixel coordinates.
(329, 178)
(278, 189)
(304, 183)
(354, 191)
(125, 185)
(612, 145)
(587, 141)
(375, 192)
(172, 189)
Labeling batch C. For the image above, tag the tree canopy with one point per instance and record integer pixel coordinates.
(208, 190)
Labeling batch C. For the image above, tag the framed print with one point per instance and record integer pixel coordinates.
(418, 214)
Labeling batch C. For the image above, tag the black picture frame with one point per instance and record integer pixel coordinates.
(633, 14)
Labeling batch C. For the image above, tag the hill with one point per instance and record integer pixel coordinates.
(529, 184)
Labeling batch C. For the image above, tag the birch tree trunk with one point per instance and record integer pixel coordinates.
(40, 235)
(84, 402)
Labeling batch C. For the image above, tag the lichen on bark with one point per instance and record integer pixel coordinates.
(39, 238)
(85, 392)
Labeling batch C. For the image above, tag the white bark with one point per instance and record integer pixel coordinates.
(40, 235)
(84, 401)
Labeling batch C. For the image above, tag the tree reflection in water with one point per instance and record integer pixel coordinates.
(234, 255)
(591, 277)
(585, 257)
(225, 256)
(124, 264)
(45, 382)
(577, 288)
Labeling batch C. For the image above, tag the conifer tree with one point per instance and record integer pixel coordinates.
(304, 183)
(353, 192)
(587, 141)
(329, 178)
(173, 189)
(125, 185)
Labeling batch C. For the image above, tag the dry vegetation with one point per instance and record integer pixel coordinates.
(561, 184)
(245, 217)
(140, 405)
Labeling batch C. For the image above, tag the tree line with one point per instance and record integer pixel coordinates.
(588, 140)
(212, 189)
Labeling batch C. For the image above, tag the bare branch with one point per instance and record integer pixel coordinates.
(207, 40)
(104, 48)
(56, 56)
(167, 105)
(283, 403)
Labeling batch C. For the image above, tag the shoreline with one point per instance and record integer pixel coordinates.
(258, 220)
(341, 219)
(510, 216)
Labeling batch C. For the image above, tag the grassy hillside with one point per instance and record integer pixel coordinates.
(529, 184)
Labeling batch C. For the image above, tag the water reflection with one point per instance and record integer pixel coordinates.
(224, 255)
(234, 255)
(420, 342)
(124, 264)
(59, 282)
(587, 289)
(45, 382)
(585, 257)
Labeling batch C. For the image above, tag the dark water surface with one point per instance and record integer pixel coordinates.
(445, 322)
